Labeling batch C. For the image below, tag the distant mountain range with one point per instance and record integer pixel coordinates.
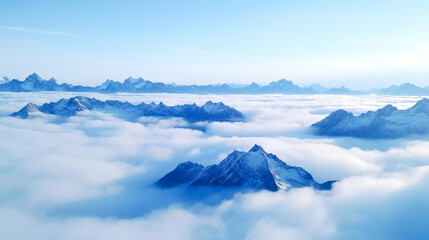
(34, 83)
(386, 122)
(191, 112)
(255, 169)
(138, 85)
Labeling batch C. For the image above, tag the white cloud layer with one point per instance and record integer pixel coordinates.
(90, 177)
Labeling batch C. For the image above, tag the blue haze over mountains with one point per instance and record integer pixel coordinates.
(139, 85)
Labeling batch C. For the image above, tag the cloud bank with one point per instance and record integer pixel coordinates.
(90, 177)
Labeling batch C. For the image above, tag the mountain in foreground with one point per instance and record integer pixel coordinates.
(255, 169)
(386, 122)
(191, 112)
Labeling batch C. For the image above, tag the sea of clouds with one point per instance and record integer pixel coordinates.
(91, 176)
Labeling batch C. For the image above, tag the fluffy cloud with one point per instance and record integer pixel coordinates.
(172, 223)
(379, 205)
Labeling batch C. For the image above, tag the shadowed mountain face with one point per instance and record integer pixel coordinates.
(386, 122)
(190, 112)
(255, 169)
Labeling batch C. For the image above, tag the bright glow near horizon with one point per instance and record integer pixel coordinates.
(335, 43)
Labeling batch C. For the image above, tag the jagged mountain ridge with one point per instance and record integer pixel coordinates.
(139, 85)
(255, 169)
(386, 122)
(191, 112)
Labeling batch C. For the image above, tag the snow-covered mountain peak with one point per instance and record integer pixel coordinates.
(34, 78)
(254, 169)
(31, 107)
(4, 80)
(281, 83)
(132, 80)
(421, 106)
(340, 113)
(251, 160)
(210, 103)
(53, 80)
(28, 111)
(106, 84)
(256, 159)
(256, 148)
(386, 110)
(334, 118)
(213, 107)
(76, 101)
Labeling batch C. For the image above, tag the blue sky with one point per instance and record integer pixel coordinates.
(359, 44)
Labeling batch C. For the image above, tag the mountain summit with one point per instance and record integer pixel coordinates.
(255, 169)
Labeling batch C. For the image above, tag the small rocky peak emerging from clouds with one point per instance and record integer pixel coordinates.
(28, 111)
